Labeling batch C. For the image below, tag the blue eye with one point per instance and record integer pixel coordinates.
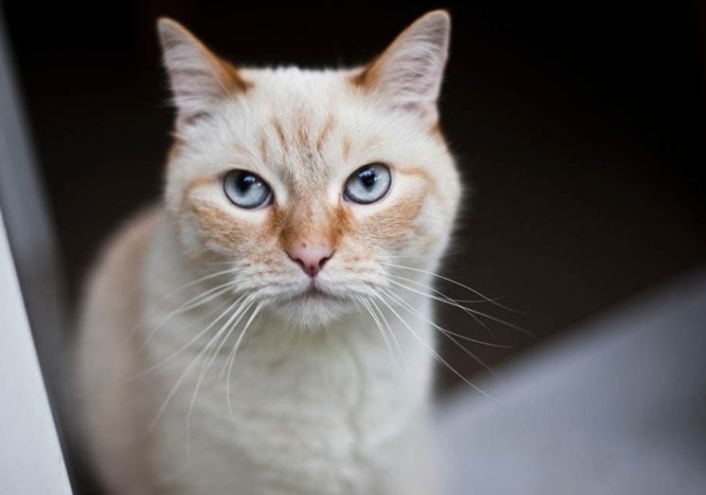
(246, 189)
(368, 184)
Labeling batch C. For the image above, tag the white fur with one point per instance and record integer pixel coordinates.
(319, 398)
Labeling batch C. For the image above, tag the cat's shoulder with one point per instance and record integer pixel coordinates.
(125, 250)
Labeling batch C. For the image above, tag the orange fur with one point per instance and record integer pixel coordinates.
(346, 148)
(325, 130)
(279, 131)
(436, 132)
(223, 234)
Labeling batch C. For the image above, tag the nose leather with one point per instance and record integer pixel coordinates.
(311, 257)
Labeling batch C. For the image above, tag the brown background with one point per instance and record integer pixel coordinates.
(581, 131)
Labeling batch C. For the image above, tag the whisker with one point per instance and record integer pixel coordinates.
(194, 302)
(444, 332)
(431, 351)
(452, 281)
(164, 361)
(378, 324)
(175, 291)
(185, 373)
(470, 311)
(443, 298)
(226, 330)
(231, 358)
(389, 328)
(464, 337)
(447, 254)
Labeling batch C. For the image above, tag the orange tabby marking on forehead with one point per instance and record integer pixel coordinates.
(279, 130)
(302, 136)
(299, 127)
(374, 141)
(328, 126)
(346, 148)
(242, 149)
(263, 149)
(302, 124)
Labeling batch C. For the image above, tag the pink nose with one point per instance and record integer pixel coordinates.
(311, 257)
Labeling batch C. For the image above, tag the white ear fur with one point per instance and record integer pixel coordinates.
(409, 72)
(198, 78)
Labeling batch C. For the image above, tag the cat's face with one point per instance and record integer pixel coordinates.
(310, 184)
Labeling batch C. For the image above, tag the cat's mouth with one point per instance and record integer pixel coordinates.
(313, 293)
(313, 305)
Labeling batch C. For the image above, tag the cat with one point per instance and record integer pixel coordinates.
(267, 328)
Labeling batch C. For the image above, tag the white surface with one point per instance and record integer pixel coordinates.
(30, 457)
(619, 408)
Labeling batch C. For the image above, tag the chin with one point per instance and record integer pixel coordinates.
(313, 312)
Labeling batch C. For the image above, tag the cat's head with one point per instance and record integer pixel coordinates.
(310, 184)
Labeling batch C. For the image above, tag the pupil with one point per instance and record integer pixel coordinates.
(368, 178)
(245, 182)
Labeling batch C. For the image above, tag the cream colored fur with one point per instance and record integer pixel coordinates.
(283, 394)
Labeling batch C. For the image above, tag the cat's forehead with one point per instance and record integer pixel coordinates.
(309, 130)
(287, 85)
(302, 130)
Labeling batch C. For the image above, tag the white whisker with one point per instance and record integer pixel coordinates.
(471, 312)
(226, 331)
(378, 324)
(194, 302)
(443, 299)
(445, 332)
(231, 358)
(452, 281)
(431, 351)
(162, 362)
(389, 328)
(175, 291)
(468, 311)
(186, 372)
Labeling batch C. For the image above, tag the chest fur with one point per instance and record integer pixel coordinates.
(289, 413)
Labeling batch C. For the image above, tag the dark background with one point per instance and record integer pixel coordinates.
(580, 130)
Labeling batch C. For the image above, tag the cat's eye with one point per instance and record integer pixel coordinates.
(368, 184)
(246, 190)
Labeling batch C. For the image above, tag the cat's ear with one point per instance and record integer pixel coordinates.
(199, 79)
(408, 74)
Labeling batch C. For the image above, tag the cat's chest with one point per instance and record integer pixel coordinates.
(312, 416)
